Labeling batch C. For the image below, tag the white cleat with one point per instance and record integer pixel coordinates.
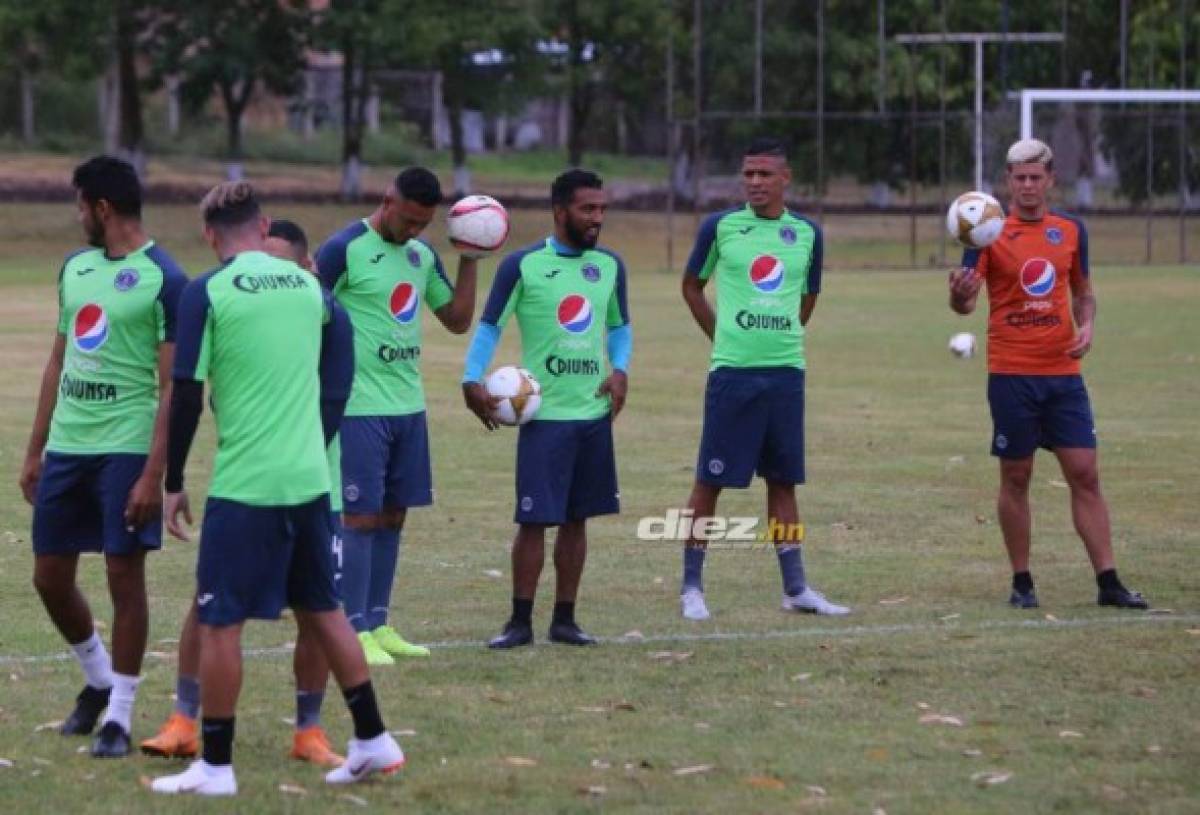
(691, 602)
(378, 755)
(199, 778)
(812, 601)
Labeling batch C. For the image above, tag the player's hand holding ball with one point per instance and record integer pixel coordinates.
(477, 226)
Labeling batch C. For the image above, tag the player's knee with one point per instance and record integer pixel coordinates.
(49, 584)
(1015, 480)
(1084, 479)
(125, 571)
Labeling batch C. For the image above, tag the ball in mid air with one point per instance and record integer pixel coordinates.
(975, 219)
(962, 345)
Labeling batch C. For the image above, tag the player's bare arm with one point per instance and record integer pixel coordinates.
(1083, 309)
(456, 315)
(808, 304)
(31, 470)
(697, 303)
(145, 499)
(964, 290)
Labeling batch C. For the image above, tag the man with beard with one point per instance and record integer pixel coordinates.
(94, 466)
(568, 296)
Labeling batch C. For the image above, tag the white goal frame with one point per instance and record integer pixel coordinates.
(1031, 96)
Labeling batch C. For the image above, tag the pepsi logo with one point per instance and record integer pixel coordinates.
(575, 314)
(403, 303)
(91, 328)
(1037, 277)
(766, 273)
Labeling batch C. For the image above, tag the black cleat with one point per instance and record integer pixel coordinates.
(513, 636)
(1023, 599)
(1121, 597)
(111, 742)
(89, 704)
(570, 634)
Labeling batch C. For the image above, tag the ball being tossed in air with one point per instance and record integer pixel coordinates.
(477, 225)
(962, 345)
(975, 219)
(519, 393)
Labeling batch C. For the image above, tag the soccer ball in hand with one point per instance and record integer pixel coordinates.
(962, 345)
(477, 225)
(520, 394)
(975, 219)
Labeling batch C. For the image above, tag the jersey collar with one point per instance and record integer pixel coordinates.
(562, 249)
(139, 250)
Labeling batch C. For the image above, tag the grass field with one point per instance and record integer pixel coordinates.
(1089, 710)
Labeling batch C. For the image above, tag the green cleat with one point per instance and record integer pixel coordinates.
(392, 643)
(373, 651)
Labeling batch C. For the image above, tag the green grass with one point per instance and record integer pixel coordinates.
(900, 525)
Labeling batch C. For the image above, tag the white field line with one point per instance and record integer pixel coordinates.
(1124, 619)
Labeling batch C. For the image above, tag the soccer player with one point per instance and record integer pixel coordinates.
(1041, 323)
(178, 737)
(278, 354)
(767, 264)
(568, 295)
(380, 272)
(94, 465)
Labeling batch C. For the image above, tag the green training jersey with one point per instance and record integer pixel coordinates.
(563, 301)
(252, 328)
(113, 313)
(382, 285)
(763, 268)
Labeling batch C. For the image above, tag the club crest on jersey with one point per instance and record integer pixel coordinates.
(126, 279)
(766, 273)
(1054, 235)
(574, 314)
(403, 303)
(1037, 277)
(787, 234)
(91, 328)
(590, 272)
(414, 258)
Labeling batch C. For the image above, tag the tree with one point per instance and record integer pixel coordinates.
(612, 45)
(232, 47)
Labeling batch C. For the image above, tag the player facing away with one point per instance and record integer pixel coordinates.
(1041, 323)
(179, 735)
(568, 295)
(381, 273)
(94, 466)
(767, 264)
(278, 354)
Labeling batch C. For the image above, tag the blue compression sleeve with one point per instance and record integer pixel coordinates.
(620, 346)
(483, 348)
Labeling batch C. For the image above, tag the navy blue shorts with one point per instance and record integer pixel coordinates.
(753, 423)
(80, 506)
(385, 463)
(255, 561)
(566, 471)
(1039, 411)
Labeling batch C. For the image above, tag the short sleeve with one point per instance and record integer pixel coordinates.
(816, 261)
(618, 304)
(704, 252)
(193, 331)
(438, 289)
(976, 259)
(331, 256)
(174, 281)
(64, 319)
(1080, 266)
(336, 366)
(505, 292)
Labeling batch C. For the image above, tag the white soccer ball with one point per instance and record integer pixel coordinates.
(520, 394)
(477, 224)
(962, 345)
(975, 219)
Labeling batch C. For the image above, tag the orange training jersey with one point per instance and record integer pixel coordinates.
(1028, 272)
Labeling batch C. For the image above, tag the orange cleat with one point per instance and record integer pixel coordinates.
(312, 745)
(176, 739)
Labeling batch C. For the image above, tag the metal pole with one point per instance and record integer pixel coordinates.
(978, 113)
(758, 45)
(882, 89)
(942, 134)
(1123, 45)
(1184, 13)
(1150, 162)
(696, 89)
(912, 158)
(821, 112)
(672, 134)
(1062, 64)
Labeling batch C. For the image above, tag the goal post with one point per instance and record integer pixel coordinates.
(1031, 96)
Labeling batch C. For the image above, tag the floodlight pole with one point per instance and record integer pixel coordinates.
(977, 39)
